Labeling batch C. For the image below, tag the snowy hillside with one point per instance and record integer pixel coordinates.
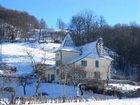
(15, 54)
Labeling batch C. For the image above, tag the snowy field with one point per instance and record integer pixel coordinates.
(57, 90)
(15, 54)
(53, 90)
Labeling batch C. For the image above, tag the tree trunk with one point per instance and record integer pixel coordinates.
(37, 86)
(24, 89)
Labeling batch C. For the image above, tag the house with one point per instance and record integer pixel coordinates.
(91, 57)
(49, 35)
(47, 72)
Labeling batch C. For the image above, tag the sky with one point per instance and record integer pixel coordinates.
(114, 11)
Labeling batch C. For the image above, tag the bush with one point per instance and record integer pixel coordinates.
(57, 41)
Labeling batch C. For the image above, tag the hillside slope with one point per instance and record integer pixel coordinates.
(15, 54)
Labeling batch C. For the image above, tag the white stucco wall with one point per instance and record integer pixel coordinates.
(104, 67)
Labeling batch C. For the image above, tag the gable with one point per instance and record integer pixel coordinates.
(68, 45)
(67, 42)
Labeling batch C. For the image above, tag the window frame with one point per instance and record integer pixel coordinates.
(97, 75)
(97, 63)
(84, 63)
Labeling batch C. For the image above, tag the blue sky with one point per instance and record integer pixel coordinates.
(114, 11)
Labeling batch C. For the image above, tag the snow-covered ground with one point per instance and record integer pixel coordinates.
(57, 90)
(105, 102)
(133, 101)
(15, 54)
(125, 87)
(53, 90)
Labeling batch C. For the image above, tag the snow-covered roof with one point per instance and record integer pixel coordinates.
(108, 57)
(88, 50)
(68, 45)
(77, 59)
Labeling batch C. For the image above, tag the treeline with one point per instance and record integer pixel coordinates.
(15, 24)
(123, 39)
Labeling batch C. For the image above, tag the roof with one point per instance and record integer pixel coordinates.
(77, 59)
(69, 49)
(68, 45)
(88, 50)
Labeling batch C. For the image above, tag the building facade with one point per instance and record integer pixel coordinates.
(90, 56)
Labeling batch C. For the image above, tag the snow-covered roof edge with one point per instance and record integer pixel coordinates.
(89, 50)
(67, 44)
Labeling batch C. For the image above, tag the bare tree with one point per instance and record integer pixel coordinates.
(64, 71)
(77, 74)
(60, 24)
(72, 73)
(38, 67)
(84, 27)
(7, 84)
(42, 25)
(40, 74)
(24, 81)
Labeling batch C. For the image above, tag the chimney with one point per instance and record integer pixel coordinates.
(99, 47)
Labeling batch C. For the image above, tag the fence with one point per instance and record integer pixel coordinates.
(45, 99)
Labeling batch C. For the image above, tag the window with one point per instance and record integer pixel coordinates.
(57, 54)
(48, 77)
(83, 63)
(96, 64)
(52, 77)
(57, 71)
(97, 75)
(58, 63)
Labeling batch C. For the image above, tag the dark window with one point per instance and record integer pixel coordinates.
(52, 77)
(97, 75)
(96, 64)
(58, 63)
(57, 54)
(48, 77)
(83, 63)
(57, 71)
